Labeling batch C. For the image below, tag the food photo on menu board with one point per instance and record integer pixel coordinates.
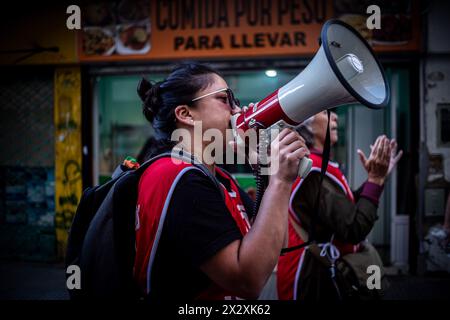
(116, 28)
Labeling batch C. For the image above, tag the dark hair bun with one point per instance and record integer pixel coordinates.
(149, 94)
(143, 87)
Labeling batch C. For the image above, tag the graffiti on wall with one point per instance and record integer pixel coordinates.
(68, 181)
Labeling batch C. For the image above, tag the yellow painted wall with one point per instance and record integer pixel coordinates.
(68, 175)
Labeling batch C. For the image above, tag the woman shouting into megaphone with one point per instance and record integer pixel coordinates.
(193, 235)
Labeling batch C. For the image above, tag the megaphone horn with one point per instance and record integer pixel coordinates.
(343, 71)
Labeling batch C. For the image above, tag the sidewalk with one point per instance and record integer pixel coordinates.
(430, 287)
(40, 281)
(32, 281)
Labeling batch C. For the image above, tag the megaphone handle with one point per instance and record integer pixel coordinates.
(304, 167)
(305, 164)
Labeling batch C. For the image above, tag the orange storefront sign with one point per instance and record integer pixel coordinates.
(175, 29)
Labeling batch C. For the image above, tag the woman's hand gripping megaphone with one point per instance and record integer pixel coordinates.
(273, 131)
(267, 137)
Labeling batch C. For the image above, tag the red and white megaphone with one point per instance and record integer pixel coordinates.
(343, 71)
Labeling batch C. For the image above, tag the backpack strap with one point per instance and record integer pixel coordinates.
(325, 159)
(186, 157)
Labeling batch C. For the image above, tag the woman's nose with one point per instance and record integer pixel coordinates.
(334, 116)
(236, 110)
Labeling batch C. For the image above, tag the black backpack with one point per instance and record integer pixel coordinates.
(102, 236)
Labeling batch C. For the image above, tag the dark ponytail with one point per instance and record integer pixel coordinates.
(160, 99)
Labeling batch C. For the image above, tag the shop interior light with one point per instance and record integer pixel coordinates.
(271, 73)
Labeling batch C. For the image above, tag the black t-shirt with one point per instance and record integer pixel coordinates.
(198, 224)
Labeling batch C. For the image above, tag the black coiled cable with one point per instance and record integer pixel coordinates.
(261, 183)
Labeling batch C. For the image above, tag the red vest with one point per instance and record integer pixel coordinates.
(159, 181)
(290, 264)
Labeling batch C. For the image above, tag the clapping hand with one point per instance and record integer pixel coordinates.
(382, 159)
(395, 156)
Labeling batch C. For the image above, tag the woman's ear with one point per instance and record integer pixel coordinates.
(184, 115)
